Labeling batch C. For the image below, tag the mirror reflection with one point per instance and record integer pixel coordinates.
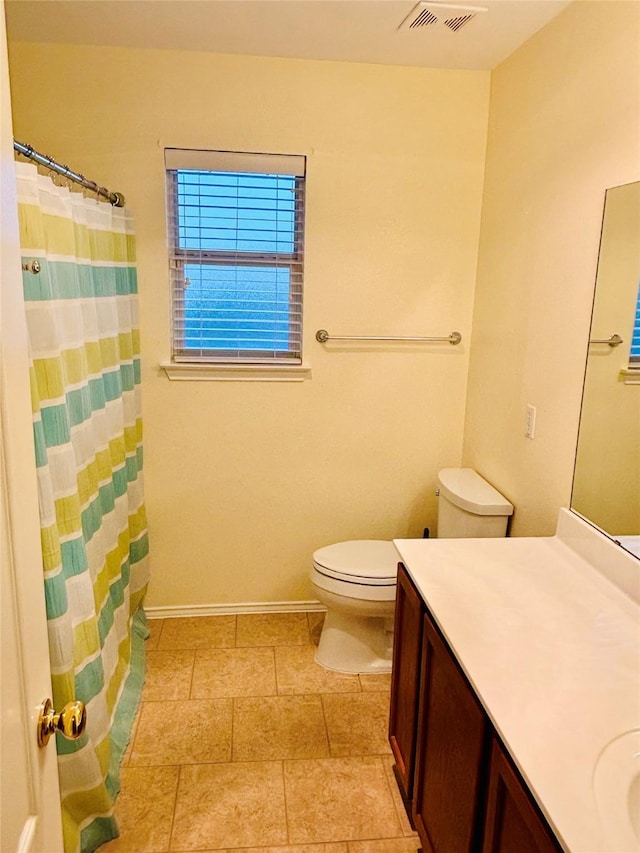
(606, 487)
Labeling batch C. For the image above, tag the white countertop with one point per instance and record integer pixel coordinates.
(552, 649)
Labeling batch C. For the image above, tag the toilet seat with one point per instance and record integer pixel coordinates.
(356, 581)
(361, 562)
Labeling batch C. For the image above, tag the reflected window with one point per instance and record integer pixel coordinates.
(634, 359)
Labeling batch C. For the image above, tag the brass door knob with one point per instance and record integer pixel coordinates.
(71, 721)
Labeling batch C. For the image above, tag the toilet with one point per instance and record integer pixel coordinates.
(356, 580)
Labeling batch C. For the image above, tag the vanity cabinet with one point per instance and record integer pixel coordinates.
(450, 754)
(405, 683)
(458, 784)
(513, 823)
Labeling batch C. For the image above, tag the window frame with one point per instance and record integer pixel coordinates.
(180, 257)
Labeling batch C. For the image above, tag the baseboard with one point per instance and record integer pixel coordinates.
(174, 612)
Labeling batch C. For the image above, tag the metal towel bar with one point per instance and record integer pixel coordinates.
(322, 336)
(613, 341)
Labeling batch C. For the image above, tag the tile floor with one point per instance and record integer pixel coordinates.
(243, 744)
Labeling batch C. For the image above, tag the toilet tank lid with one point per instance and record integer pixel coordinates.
(466, 489)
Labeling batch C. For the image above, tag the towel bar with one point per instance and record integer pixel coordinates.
(322, 336)
(613, 341)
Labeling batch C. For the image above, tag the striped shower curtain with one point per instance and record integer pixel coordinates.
(85, 377)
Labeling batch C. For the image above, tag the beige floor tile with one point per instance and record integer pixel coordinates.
(386, 845)
(272, 629)
(144, 810)
(297, 672)
(405, 823)
(296, 848)
(339, 799)
(186, 732)
(332, 847)
(127, 753)
(315, 618)
(222, 806)
(199, 632)
(277, 727)
(233, 672)
(155, 628)
(168, 675)
(357, 725)
(232, 792)
(375, 683)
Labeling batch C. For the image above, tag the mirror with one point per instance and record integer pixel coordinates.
(606, 483)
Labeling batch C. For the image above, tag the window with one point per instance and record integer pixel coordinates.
(634, 358)
(236, 226)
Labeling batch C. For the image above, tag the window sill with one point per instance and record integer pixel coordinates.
(237, 372)
(630, 376)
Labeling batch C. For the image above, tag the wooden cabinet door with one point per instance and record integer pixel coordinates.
(513, 823)
(407, 648)
(451, 753)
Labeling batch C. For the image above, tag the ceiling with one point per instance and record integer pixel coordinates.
(341, 30)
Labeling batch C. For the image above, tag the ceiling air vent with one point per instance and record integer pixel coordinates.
(439, 16)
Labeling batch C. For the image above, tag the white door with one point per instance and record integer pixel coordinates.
(30, 819)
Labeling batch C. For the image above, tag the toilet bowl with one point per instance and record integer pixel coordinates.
(356, 580)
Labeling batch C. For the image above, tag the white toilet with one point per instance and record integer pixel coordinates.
(356, 580)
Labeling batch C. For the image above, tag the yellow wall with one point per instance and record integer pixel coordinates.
(245, 480)
(564, 125)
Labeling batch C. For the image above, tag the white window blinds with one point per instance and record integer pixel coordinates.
(634, 360)
(236, 230)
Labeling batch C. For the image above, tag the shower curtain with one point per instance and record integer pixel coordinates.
(82, 319)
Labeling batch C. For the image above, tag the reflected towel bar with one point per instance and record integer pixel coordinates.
(322, 336)
(613, 341)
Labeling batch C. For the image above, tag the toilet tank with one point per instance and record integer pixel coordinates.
(469, 506)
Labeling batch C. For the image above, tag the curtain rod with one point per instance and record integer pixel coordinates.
(116, 199)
